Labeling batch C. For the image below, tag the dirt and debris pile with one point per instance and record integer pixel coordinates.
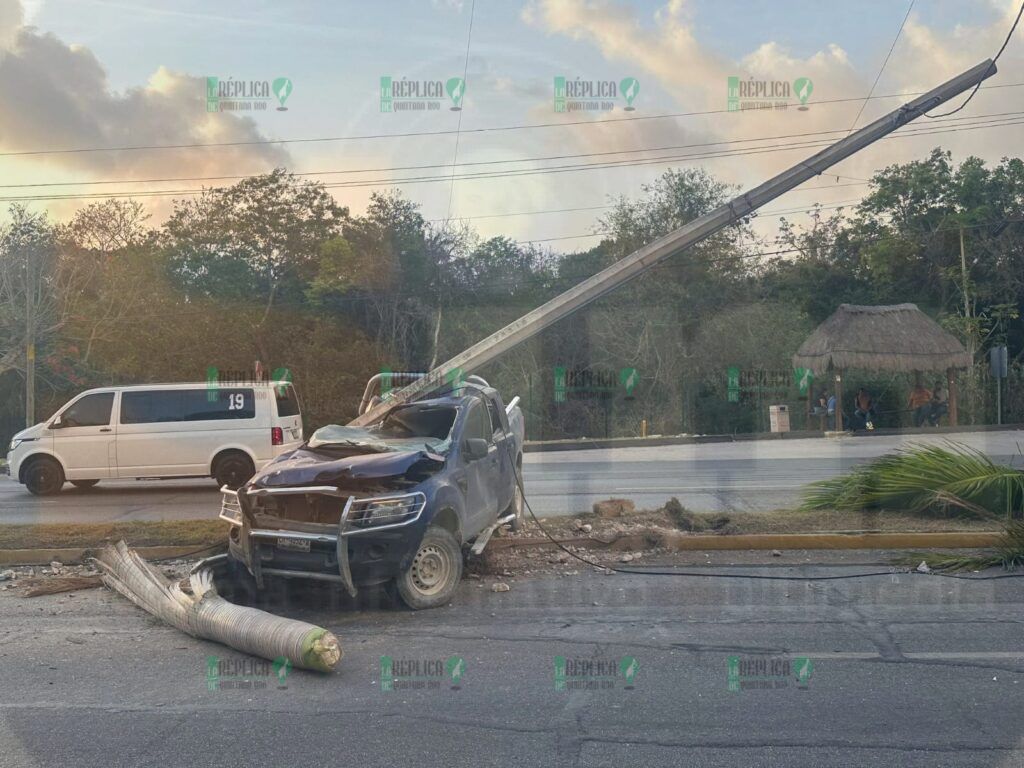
(686, 520)
(614, 508)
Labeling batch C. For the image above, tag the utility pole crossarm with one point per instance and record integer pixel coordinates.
(641, 260)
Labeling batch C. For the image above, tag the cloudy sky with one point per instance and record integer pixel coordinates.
(91, 75)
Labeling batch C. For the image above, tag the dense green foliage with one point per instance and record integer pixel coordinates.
(275, 269)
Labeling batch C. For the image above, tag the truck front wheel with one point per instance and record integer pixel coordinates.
(435, 571)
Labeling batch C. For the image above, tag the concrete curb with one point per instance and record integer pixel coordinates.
(80, 554)
(538, 446)
(936, 540)
(933, 540)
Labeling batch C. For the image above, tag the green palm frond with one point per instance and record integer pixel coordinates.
(1011, 544)
(1009, 553)
(924, 478)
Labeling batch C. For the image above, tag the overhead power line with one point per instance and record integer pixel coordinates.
(467, 164)
(511, 173)
(991, 67)
(884, 62)
(447, 132)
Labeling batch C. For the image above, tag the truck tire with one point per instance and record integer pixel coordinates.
(44, 476)
(433, 576)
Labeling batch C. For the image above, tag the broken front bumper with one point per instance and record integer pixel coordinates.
(323, 553)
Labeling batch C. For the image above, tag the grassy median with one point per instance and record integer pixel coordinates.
(138, 534)
(202, 532)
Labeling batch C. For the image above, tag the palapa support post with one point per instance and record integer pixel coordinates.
(839, 399)
(951, 388)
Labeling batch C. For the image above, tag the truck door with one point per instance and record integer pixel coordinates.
(482, 476)
(506, 453)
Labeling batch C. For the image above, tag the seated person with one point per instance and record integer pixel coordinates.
(864, 410)
(938, 407)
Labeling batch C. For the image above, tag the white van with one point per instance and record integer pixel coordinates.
(224, 431)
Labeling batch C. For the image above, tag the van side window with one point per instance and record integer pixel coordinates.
(478, 424)
(219, 403)
(149, 407)
(90, 411)
(168, 405)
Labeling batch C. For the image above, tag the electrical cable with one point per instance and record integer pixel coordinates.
(991, 67)
(747, 576)
(882, 69)
(536, 158)
(1000, 120)
(218, 545)
(458, 129)
(413, 134)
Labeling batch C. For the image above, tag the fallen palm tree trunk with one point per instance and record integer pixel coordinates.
(198, 610)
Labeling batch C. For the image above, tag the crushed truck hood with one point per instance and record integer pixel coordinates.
(305, 467)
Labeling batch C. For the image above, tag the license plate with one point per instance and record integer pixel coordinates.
(295, 545)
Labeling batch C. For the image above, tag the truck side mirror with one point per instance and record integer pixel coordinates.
(57, 422)
(476, 448)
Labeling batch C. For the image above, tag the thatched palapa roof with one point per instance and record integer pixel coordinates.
(895, 337)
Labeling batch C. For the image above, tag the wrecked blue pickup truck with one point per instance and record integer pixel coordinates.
(390, 504)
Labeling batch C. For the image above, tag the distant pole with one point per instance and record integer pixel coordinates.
(967, 302)
(30, 349)
(954, 411)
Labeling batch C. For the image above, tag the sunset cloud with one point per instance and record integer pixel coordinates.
(56, 95)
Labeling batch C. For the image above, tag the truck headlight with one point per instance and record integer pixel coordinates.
(386, 511)
(15, 442)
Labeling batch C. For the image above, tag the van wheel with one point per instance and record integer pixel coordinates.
(44, 476)
(435, 571)
(233, 470)
(84, 483)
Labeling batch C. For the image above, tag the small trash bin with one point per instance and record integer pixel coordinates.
(778, 417)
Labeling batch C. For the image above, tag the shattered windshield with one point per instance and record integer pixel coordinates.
(415, 427)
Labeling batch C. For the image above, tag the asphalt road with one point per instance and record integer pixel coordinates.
(748, 475)
(911, 670)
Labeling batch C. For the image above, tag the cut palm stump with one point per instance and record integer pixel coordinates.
(194, 607)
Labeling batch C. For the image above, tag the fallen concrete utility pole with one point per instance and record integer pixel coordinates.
(203, 613)
(640, 261)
